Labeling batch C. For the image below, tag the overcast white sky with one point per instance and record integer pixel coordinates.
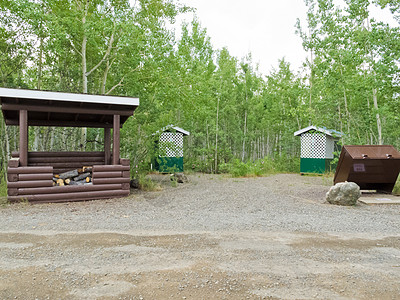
(266, 28)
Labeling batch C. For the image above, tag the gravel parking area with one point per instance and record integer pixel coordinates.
(212, 238)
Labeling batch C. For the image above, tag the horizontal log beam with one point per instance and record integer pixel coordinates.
(61, 170)
(97, 181)
(64, 109)
(62, 197)
(61, 154)
(60, 123)
(64, 165)
(30, 170)
(33, 177)
(87, 160)
(110, 168)
(68, 189)
(107, 174)
(79, 199)
(30, 184)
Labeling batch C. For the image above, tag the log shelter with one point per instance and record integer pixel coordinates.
(30, 174)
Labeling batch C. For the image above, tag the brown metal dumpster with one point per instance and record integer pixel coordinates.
(372, 167)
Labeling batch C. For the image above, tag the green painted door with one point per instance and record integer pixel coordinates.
(313, 165)
(169, 164)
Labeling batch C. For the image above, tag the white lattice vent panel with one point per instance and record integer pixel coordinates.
(171, 144)
(313, 145)
(330, 147)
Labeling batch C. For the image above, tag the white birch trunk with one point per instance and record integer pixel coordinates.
(378, 117)
(216, 138)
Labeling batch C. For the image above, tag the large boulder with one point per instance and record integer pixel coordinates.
(344, 193)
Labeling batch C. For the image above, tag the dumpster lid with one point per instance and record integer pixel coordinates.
(372, 151)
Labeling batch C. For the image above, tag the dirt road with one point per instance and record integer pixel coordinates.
(213, 238)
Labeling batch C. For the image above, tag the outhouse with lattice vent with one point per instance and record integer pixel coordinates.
(169, 149)
(317, 148)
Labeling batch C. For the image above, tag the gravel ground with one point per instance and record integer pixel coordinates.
(212, 238)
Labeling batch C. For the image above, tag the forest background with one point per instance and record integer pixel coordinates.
(240, 120)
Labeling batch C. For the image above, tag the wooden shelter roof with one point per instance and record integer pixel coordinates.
(65, 109)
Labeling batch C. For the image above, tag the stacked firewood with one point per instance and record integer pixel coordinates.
(80, 176)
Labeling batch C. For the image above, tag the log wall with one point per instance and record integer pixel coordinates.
(34, 183)
(64, 161)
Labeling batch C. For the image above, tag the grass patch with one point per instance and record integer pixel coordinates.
(261, 167)
(396, 189)
(3, 193)
(174, 182)
(146, 184)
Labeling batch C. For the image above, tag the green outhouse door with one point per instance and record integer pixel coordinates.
(317, 148)
(169, 158)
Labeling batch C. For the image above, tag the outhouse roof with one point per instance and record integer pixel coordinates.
(175, 128)
(47, 108)
(330, 132)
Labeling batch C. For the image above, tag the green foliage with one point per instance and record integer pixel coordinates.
(261, 167)
(241, 121)
(174, 182)
(3, 188)
(396, 189)
(146, 184)
(3, 192)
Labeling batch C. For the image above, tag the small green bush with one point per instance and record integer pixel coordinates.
(3, 188)
(396, 189)
(261, 167)
(146, 184)
(3, 193)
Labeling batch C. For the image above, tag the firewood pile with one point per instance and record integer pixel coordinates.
(80, 176)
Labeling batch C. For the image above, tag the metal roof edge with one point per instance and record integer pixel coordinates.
(184, 132)
(331, 133)
(62, 96)
(176, 128)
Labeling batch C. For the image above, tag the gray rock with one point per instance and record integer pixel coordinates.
(179, 177)
(344, 193)
(134, 183)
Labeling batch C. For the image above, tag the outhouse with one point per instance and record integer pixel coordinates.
(169, 149)
(317, 148)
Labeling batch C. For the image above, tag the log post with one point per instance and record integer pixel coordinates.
(107, 146)
(23, 138)
(116, 139)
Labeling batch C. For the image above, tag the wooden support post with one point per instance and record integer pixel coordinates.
(23, 138)
(116, 139)
(107, 146)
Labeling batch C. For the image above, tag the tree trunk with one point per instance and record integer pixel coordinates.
(311, 79)
(84, 73)
(245, 121)
(378, 118)
(216, 138)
